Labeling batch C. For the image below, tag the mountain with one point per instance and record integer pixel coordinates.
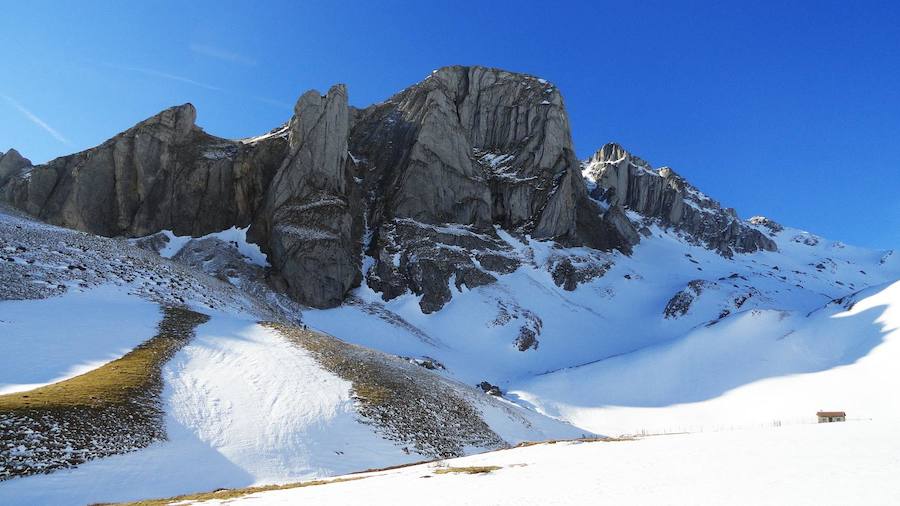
(469, 146)
(428, 277)
(221, 386)
(624, 180)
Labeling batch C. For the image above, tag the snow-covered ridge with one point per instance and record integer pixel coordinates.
(281, 131)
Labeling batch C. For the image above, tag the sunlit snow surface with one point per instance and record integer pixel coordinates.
(800, 465)
(243, 407)
(61, 337)
(615, 314)
(753, 369)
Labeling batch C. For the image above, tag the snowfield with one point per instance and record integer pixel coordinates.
(752, 369)
(243, 407)
(618, 313)
(803, 465)
(675, 338)
(62, 337)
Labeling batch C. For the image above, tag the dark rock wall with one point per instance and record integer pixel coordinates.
(164, 173)
(625, 181)
(465, 150)
(307, 220)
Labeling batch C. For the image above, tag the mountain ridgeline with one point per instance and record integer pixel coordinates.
(425, 184)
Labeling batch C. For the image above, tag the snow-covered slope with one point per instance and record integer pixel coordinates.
(68, 335)
(673, 337)
(623, 310)
(806, 465)
(462, 246)
(243, 406)
(757, 367)
(243, 402)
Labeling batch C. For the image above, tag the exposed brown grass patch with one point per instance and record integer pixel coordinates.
(404, 402)
(110, 410)
(467, 470)
(391, 468)
(524, 444)
(232, 493)
(117, 381)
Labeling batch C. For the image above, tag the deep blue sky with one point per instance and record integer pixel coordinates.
(791, 111)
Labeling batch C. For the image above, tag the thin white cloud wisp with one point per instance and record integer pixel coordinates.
(221, 54)
(30, 116)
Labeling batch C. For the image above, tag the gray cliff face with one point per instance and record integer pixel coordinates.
(477, 147)
(163, 173)
(427, 259)
(423, 183)
(11, 164)
(310, 220)
(628, 182)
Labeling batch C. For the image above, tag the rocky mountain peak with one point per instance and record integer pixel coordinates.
(612, 159)
(174, 124)
(164, 173)
(471, 147)
(475, 146)
(422, 184)
(668, 172)
(771, 225)
(626, 181)
(13, 154)
(612, 152)
(11, 163)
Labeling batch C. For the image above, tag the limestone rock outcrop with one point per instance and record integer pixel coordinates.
(163, 173)
(310, 221)
(476, 147)
(626, 181)
(429, 260)
(434, 186)
(11, 163)
(771, 226)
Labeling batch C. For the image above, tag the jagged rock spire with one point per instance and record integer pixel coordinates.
(308, 216)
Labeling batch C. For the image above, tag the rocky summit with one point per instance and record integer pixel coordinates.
(424, 187)
(624, 180)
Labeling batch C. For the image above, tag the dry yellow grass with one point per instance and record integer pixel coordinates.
(232, 493)
(577, 440)
(467, 470)
(110, 410)
(116, 382)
